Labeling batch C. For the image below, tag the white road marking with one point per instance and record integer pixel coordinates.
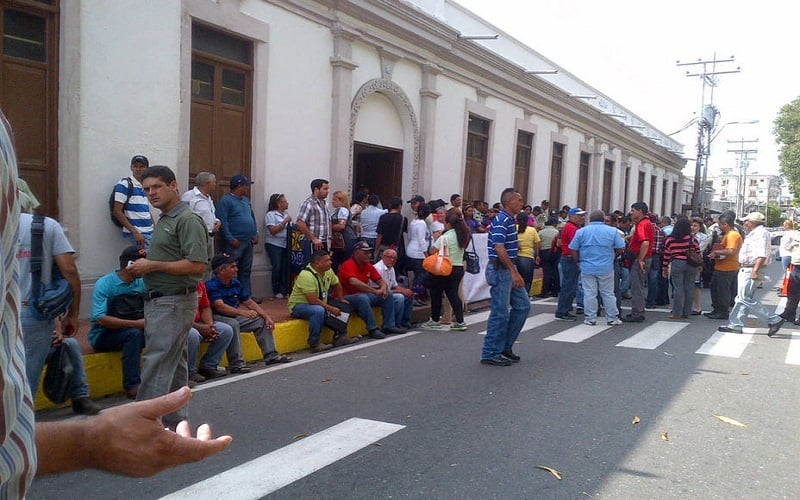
(793, 355)
(729, 345)
(271, 472)
(477, 317)
(532, 322)
(653, 335)
(578, 333)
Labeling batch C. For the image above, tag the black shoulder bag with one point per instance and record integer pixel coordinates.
(47, 301)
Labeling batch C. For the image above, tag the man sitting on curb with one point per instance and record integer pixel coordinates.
(234, 306)
(403, 297)
(355, 274)
(205, 329)
(115, 329)
(309, 300)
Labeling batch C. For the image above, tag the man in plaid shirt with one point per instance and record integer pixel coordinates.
(314, 221)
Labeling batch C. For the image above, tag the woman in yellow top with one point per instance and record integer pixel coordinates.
(529, 243)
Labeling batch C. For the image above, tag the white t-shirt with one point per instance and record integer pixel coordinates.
(419, 239)
(54, 242)
(274, 218)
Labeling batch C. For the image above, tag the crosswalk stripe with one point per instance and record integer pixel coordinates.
(793, 355)
(781, 305)
(726, 344)
(578, 333)
(533, 321)
(653, 335)
(271, 472)
(478, 317)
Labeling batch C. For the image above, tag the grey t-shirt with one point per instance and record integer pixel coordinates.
(54, 242)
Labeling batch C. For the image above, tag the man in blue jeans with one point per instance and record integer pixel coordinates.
(117, 330)
(309, 300)
(239, 229)
(507, 285)
(570, 271)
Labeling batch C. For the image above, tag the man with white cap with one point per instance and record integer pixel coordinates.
(752, 257)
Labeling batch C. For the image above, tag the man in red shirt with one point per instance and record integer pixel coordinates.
(641, 245)
(355, 274)
(570, 270)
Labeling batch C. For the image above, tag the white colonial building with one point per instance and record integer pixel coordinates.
(398, 96)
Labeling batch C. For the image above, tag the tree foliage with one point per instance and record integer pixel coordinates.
(787, 135)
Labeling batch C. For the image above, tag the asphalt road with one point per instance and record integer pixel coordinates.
(475, 431)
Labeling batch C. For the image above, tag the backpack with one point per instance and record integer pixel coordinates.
(124, 205)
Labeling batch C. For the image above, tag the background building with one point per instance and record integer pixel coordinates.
(396, 96)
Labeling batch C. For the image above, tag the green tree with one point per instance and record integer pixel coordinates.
(787, 135)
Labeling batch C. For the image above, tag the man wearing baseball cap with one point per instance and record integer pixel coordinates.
(569, 265)
(239, 229)
(131, 209)
(747, 311)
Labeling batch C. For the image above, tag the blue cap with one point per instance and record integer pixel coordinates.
(576, 211)
(239, 180)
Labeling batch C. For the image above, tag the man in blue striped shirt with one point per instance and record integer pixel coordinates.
(131, 207)
(508, 287)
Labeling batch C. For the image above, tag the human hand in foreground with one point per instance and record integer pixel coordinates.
(128, 440)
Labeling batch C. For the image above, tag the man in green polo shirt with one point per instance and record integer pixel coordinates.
(309, 300)
(176, 260)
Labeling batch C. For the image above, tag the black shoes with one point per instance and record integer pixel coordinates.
(211, 373)
(320, 347)
(393, 330)
(630, 318)
(241, 369)
(84, 406)
(773, 328)
(343, 340)
(496, 360)
(713, 315)
(728, 329)
(510, 355)
(376, 334)
(566, 317)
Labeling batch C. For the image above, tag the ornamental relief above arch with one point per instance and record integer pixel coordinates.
(405, 110)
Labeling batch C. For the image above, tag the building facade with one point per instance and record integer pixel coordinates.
(385, 94)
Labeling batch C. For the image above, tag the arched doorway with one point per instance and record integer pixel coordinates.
(384, 141)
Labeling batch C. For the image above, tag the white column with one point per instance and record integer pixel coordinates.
(659, 195)
(427, 128)
(341, 96)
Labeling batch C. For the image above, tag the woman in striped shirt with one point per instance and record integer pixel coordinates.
(682, 273)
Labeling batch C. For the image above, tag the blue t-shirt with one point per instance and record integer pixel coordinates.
(596, 243)
(232, 294)
(236, 215)
(503, 230)
(105, 288)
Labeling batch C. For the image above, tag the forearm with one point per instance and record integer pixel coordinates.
(114, 323)
(361, 286)
(61, 446)
(502, 256)
(643, 250)
(303, 227)
(179, 267)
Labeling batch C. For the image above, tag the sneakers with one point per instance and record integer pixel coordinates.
(211, 373)
(376, 333)
(496, 360)
(566, 317)
(578, 310)
(510, 355)
(614, 322)
(431, 325)
(589, 322)
(84, 406)
(729, 329)
(458, 327)
(320, 347)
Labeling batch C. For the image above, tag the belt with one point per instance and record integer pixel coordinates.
(159, 293)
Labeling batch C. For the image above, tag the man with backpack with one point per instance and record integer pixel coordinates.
(129, 207)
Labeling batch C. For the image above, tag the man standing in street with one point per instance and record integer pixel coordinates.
(176, 261)
(726, 266)
(131, 210)
(507, 285)
(239, 229)
(201, 203)
(314, 221)
(641, 245)
(595, 248)
(747, 311)
(570, 272)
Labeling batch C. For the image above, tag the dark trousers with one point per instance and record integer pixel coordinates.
(793, 298)
(550, 281)
(721, 291)
(447, 285)
(525, 267)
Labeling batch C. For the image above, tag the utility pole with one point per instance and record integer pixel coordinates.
(743, 159)
(707, 71)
